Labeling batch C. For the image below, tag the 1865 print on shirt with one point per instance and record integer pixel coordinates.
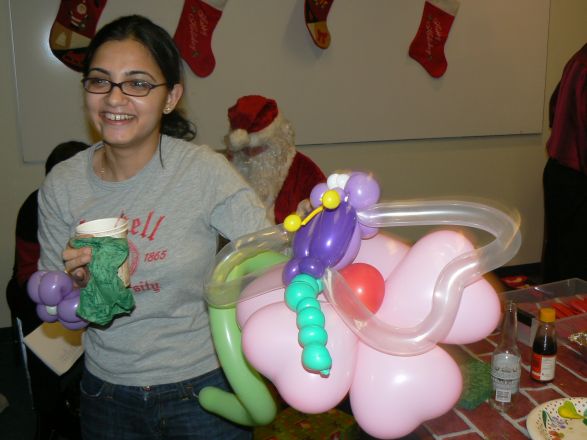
(143, 229)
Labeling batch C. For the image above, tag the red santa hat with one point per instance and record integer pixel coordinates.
(253, 121)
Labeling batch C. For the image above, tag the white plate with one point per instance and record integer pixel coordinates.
(545, 422)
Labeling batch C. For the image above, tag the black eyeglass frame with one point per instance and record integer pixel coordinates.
(120, 86)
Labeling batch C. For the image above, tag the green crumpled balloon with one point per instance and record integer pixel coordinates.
(105, 295)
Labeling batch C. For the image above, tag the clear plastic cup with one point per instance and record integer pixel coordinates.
(116, 227)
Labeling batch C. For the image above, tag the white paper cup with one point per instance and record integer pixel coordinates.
(108, 227)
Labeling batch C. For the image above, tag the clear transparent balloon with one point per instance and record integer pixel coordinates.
(231, 274)
(272, 246)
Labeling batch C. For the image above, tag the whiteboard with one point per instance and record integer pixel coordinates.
(364, 87)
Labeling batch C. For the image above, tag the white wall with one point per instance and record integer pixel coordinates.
(507, 169)
(363, 87)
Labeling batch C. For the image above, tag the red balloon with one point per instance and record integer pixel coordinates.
(367, 283)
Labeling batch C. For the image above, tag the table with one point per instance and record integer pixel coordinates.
(484, 422)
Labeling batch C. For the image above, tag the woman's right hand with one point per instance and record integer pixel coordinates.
(76, 264)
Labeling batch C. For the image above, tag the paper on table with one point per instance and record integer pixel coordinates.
(56, 346)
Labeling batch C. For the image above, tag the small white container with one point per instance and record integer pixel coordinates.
(115, 227)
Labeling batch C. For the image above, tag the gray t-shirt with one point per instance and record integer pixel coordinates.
(175, 209)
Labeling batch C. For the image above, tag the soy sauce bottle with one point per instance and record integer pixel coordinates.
(544, 347)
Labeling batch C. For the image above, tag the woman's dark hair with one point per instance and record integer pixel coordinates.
(63, 151)
(165, 53)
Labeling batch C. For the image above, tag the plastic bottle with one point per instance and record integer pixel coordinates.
(505, 362)
(544, 347)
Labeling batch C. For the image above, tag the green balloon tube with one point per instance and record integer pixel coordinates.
(252, 404)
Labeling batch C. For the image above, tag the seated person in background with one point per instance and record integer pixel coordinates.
(261, 145)
(565, 176)
(53, 396)
(27, 248)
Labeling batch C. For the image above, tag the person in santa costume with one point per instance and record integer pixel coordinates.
(261, 145)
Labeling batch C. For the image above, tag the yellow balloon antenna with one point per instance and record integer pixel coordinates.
(330, 200)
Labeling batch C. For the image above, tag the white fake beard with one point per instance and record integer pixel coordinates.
(266, 171)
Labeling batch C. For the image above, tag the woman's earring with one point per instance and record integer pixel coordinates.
(167, 110)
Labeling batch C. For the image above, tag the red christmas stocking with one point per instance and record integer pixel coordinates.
(73, 29)
(193, 35)
(315, 13)
(428, 45)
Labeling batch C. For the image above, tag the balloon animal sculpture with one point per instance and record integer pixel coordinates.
(327, 307)
(56, 297)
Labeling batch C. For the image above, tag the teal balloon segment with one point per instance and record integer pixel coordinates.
(307, 302)
(315, 357)
(297, 291)
(310, 316)
(316, 283)
(312, 334)
(300, 296)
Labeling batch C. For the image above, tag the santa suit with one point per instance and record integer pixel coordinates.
(302, 176)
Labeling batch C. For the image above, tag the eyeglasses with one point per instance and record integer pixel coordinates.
(134, 87)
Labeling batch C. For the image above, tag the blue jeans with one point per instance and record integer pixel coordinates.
(169, 411)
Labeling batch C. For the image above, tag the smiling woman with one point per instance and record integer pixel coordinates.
(178, 197)
(124, 119)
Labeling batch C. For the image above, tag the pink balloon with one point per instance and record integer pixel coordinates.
(264, 290)
(392, 395)
(270, 344)
(382, 252)
(478, 315)
(410, 289)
